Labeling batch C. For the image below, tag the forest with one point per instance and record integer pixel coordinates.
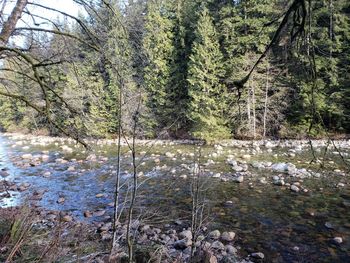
(175, 131)
(179, 60)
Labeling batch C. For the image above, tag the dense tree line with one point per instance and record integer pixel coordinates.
(177, 60)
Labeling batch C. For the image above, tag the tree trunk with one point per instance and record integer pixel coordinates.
(10, 25)
(254, 116)
(266, 92)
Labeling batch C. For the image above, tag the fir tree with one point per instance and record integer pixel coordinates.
(207, 94)
(158, 48)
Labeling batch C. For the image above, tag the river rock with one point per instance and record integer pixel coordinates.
(284, 168)
(106, 236)
(340, 185)
(45, 158)
(232, 162)
(237, 168)
(46, 174)
(257, 255)
(71, 168)
(329, 225)
(337, 240)
(239, 179)
(99, 213)
(61, 200)
(87, 214)
(218, 245)
(279, 182)
(169, 155)
(186, 234)
(67, 218)
(228, 236)
(258, 165)
(269, 145)
(4, 173)
(27, 156)
(231, 250)
(215, 234)
(182, 244)
(294, 188)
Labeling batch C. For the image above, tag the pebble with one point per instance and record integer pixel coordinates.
(338, 240)
(215, 234)
(87, 214)
(182, 244)
(61, 200)
(231, 249)
(294, 188)
(239, 179)
(228, 236)
(186, 234)
(218, 245)
(67, 218)
(257, 255)
(27, 156)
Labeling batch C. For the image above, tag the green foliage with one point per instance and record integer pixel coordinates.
(158, 48)
(207, 94)
(182, 56)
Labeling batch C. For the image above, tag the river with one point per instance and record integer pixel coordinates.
(246, 188)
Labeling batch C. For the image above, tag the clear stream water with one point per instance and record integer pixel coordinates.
(285, 226)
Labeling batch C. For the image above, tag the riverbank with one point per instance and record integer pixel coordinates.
(278, 203)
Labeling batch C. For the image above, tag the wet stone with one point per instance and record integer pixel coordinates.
(257, 255)
(215, 234)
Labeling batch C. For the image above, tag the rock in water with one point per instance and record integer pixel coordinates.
(294, 188)
(27, 156)
(258, 255)
(239, 179)
(228, 236)
(218, 245)
(338, 240)
(67, 218)
(61, 200)
(182, 244)
(186, 234)
(215, 234)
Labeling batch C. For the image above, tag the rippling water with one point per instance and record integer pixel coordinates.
(286, 226)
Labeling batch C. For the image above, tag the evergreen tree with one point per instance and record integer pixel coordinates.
(207, 94)
(158, 47)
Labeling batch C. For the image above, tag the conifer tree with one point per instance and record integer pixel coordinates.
(207, 94)
(158, 48)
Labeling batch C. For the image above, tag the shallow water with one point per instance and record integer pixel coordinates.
(285, 226)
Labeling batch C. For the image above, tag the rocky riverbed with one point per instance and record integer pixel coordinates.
(266, 201)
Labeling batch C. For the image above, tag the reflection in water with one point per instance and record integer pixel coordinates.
(266, 218)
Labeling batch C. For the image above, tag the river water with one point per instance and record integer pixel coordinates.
(286, 226)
